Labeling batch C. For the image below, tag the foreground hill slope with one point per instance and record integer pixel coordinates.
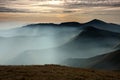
(54, 72)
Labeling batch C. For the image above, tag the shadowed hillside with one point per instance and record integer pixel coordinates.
(109, 61)
(54, 72)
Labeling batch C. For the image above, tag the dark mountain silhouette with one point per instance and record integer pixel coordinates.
(103, 25)
(93, 37)
(40, 25)
(65, 24)
(71, 24)
(93, 31)
(96, 23)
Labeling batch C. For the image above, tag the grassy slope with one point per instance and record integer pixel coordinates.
(54, 72)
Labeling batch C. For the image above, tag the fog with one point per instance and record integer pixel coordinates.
(48, 45)
(15, 42)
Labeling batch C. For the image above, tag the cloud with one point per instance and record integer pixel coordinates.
(4, 9)
(48, 6)
(68, 11)
(92, 3)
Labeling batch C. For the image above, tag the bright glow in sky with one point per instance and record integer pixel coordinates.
(59, 10)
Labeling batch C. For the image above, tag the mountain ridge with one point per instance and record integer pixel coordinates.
(95, 22)
(71, 23)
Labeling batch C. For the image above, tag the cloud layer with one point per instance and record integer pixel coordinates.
(59, 10)
(60, 6)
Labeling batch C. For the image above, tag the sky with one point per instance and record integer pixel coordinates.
(57, 11)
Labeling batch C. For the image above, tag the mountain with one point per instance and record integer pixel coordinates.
(95, 22)
(71, 24)
(82, 62)
(103, 25)
(40, 25)
(64, 24)
(37, 42)
(96, 32)
(108, 61)
(53, 48)
(92, 41)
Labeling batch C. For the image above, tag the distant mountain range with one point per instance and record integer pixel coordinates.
(96, 23)
(51, 43)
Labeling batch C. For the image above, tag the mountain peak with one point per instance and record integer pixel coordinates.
(96, 21)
